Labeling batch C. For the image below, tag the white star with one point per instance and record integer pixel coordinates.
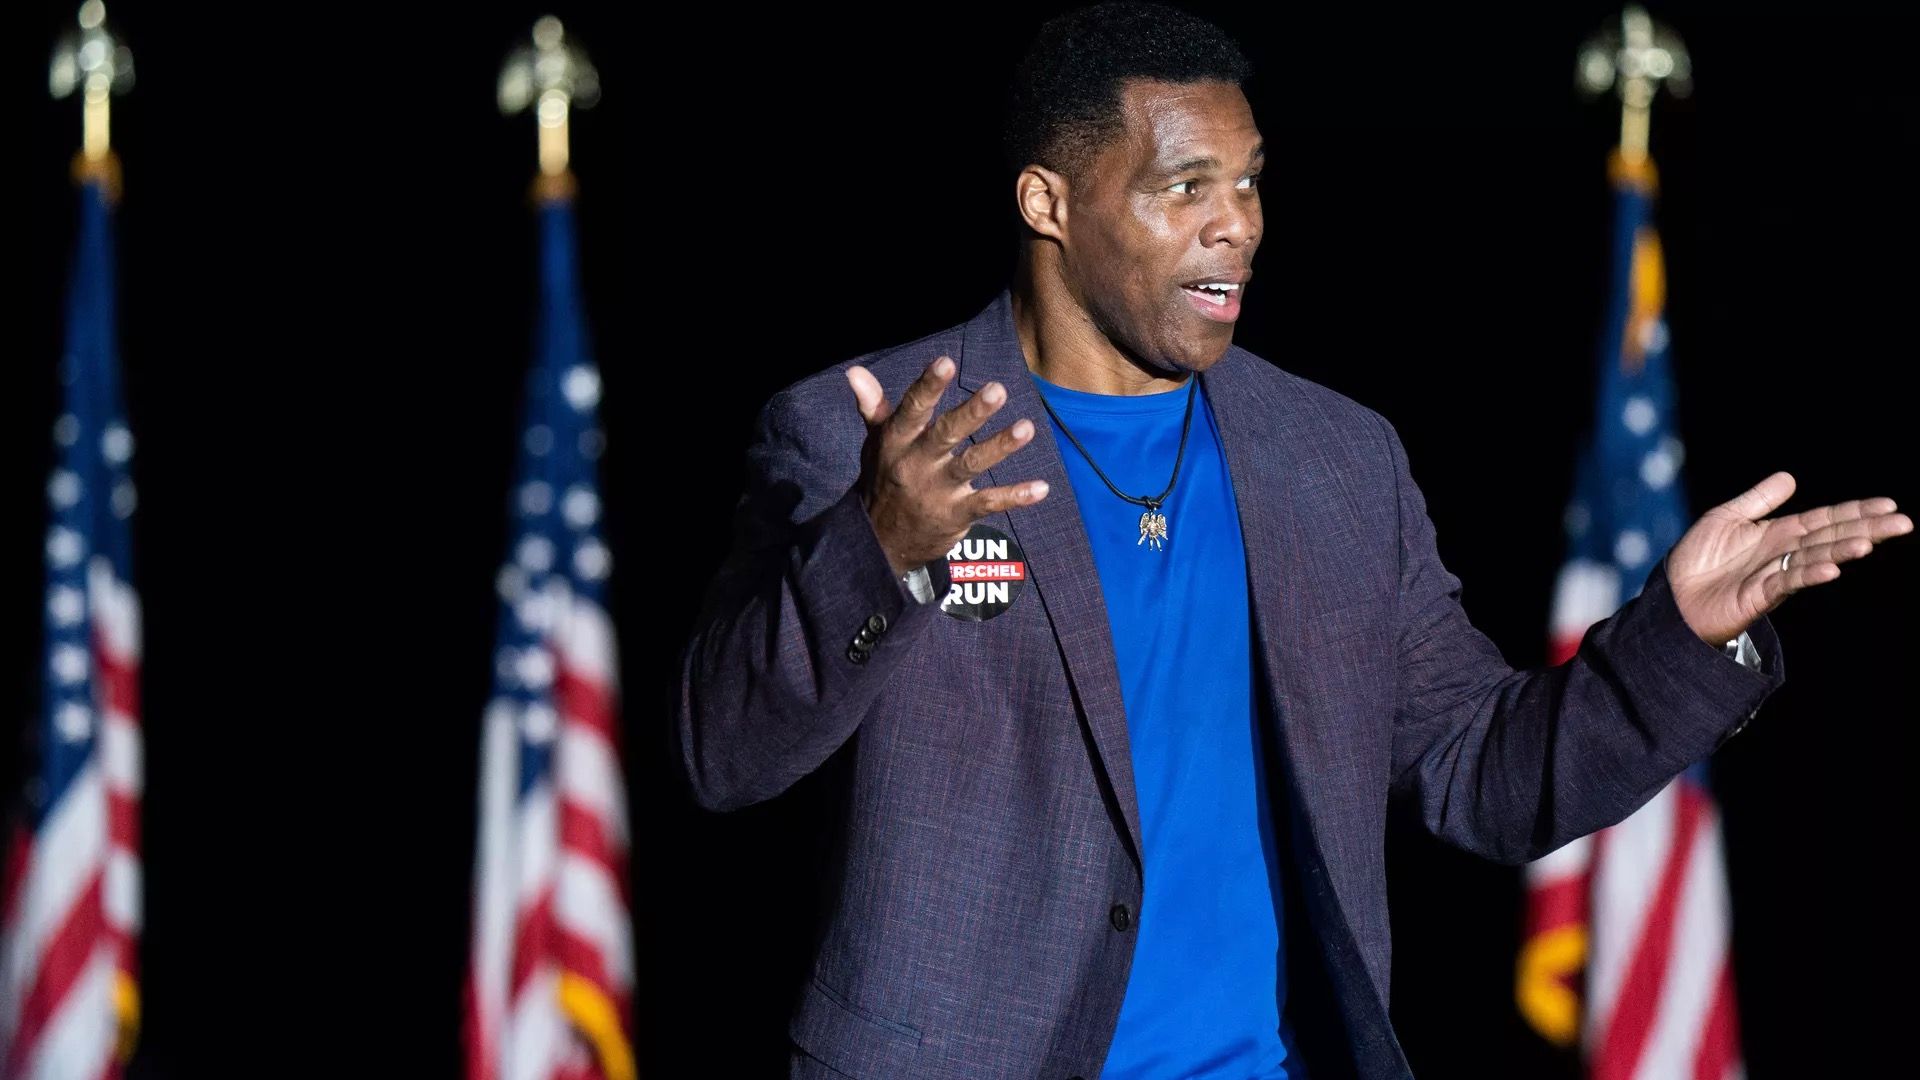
(539, 440)
(592, 560)
(539, 724)
(117, 444)
(124, 499)
(66, 605)
(69, 663)
(1630, 548)
(64, 488)
(536, 497)
(511, 583)
(582, 387)
(592, 443)
(73, 722)
(1639, 415)
(535, 669)
(535, 612)
(1653, 338)
(1658, 468)
(535, 553)
(581, 506)
(64, 546)
(507, 665)
(66, 430)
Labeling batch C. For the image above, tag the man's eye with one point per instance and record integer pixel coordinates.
(1185, 184)
(1248, 181)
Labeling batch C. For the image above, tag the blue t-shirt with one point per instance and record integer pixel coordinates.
(1208, 984)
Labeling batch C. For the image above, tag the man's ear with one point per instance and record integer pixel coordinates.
(1041, 195)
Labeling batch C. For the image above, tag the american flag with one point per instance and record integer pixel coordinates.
(1641, 909)
(550, 978)
(69, 1003)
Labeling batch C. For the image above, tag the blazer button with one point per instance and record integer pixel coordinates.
(877, 624)
(857, 654)
(1120, 917)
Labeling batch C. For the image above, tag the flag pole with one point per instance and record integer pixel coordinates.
(94, 65)
(1635, 58)
(551, 79)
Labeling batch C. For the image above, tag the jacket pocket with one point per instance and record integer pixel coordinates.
(841, 1035)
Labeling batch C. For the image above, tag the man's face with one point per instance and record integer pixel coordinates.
(1170, 205)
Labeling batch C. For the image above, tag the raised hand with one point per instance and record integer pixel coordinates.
(918, 492)
(1734, 565)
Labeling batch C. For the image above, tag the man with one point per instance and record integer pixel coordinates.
(1121, 688)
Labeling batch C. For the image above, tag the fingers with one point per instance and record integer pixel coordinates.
(1837, 552)
(1822, 516)
(1006, 497)
(987, 453)
(1871, 522)
(917, 489)
(965, 418)
(1778, 585)
(1763, 498)
(916, 405)
(868, 395)
(1817, 557)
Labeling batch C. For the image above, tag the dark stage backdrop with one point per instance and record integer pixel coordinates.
(327, 261)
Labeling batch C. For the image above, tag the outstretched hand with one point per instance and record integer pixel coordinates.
(916, 481)
(1735, 564)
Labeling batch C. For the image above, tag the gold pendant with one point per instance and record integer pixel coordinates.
(1153, 529)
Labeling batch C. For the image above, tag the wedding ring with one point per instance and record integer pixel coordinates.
(1783, 561)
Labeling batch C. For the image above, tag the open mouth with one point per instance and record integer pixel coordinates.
(1217, 299)
(1216, 293)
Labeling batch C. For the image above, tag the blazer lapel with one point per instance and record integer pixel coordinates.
(1255, 433)
(1059, 559)
(1268, 450)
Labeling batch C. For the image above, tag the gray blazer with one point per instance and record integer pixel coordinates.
(990, 837)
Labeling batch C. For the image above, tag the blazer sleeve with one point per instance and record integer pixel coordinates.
(800, 628)
(1512, 764)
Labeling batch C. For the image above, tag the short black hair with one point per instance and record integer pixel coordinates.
(1064, 104)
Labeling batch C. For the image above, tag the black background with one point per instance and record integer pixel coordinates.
(327, 268)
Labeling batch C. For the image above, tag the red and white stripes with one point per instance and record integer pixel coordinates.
(68, 998)
(551, 983)
(1640, 910)
(1660, 984)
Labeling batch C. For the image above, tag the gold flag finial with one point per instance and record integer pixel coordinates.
(94, 64)
(552, 77)
(1635, 57)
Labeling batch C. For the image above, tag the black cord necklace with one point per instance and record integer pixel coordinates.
(1153, 523)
